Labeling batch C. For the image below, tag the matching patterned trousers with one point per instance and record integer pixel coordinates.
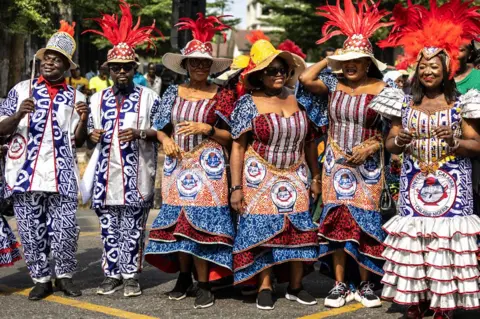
(47, 224)
(123, 237)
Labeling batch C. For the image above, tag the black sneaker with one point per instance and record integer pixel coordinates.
(109, 286)
(265, 300)
(131, 288)
(41, 291)
(338, 296)
(66, 285)
(300, 295)
(366, 296)
(204, 297)
(184, 282)
(249, 290)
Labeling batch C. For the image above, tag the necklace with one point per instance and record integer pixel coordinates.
(274, 93)
(361, 84)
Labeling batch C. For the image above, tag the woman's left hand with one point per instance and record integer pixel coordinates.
(445, 133)
(193, 128)
(360, 155)
(315, 190)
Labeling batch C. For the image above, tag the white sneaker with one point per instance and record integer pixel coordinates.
(366, 296)
(338, 296)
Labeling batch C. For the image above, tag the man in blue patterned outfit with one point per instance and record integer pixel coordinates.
(45, 120)
(124, 164)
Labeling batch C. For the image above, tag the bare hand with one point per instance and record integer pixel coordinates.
(315, 190)
(404, 137)
(128, 135)
(82, 110)
(193, 128)
(360, 154)
(445, 133)
(170, 147)
(237, 201)
(96, 135)
(27, 106)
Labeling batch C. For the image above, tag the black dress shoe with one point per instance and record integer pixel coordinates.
(41, 291)
(66, 285)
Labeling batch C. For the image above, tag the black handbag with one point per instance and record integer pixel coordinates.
(388, 207)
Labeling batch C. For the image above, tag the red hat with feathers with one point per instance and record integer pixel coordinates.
(123, 34)
(203, 30)
(426, 33)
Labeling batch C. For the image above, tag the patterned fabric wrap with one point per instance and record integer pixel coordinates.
(358, 188)
(47, 224)
(125, 172)
(276, 226)
(277, 139)
(123, 236)
(195, 216)
(432, 242)
(42, 154)
(9, 252)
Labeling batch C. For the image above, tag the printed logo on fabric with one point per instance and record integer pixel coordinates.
(345, 183)
(433, 195)
(329, 162)
(169, 165)
(255, 172)
(303, 174)
(371, 170)
(188, 185)
(284, 196)
(17, 147)
(213, 163)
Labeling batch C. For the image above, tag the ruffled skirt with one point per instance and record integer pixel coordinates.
(432, 259)
(9, 252)
(265, 241)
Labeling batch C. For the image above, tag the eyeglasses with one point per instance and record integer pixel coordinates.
(271, 71)
(200, 63)
(116, 68)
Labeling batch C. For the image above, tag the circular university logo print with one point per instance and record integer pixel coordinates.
(371, 170)
(329, 162)
(169, 165)
(284, 196)
(255, 172)
(302, 173)
(188, 185)
(17, 147)
(213, 162)
(345, 183)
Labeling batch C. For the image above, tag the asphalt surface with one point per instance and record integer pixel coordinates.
(154, 303)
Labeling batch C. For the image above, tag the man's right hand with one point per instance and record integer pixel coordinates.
(27, 106)
(96, 135)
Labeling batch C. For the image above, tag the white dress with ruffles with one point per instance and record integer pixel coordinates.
(432, 243)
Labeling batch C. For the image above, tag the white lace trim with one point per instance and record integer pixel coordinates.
(470, 104)
(388, 103)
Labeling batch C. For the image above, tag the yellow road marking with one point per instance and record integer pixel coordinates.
(334, 312)
(4, 290)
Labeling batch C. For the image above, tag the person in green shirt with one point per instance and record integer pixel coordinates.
(467, 76)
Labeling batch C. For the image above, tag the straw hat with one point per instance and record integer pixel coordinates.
(195, 49)
(62, 42)
(262, 55)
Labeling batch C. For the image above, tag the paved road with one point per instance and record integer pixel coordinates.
(153, 303)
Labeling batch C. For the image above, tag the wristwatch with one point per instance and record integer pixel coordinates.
(235, 188)
(143, 134)
(211, 132)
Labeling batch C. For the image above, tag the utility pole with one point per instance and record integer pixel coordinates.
(184, 9)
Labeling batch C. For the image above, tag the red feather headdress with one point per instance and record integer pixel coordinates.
(357, 26)
(423, 32)
(256, 35)
(204, 28)
(290, 46)
(123, 34)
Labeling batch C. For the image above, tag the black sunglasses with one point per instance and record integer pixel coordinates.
(200, 63)
(271, 71)
(116, 68)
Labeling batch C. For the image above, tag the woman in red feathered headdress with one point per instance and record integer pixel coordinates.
(350, 229)
(432, 243)
(193, 231)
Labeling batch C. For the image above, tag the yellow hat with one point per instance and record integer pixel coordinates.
(263, 53)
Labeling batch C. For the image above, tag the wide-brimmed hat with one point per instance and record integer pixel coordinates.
(198, 50)
(262, 55)
(62, 42)
(354, 47)
(239, 63)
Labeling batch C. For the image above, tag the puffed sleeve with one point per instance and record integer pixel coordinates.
(470, 104)
(242, 116)
(225, 103)
(317, 105)
(164, 113)
(388, 103)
